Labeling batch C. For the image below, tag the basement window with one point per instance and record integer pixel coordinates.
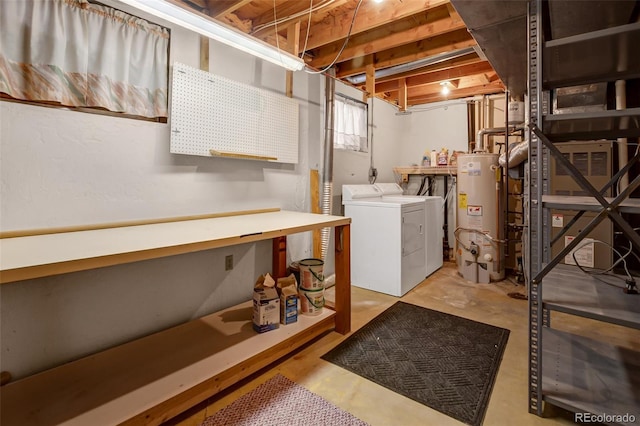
(350, 124)
(85, 56)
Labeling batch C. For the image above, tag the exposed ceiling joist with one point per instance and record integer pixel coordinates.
(410, 52)
(405, 47)
(412, 29)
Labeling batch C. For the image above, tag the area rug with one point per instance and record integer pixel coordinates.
(440, 360)
(281, 402)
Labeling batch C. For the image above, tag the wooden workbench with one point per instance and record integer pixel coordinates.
(152, 379)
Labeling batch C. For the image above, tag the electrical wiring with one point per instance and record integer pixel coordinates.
(306, 38)
(346, 40)
(295, 15)
(606, 272)
(276, 20)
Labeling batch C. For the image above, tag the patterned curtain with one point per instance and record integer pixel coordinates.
(350, 124)
(82, 54)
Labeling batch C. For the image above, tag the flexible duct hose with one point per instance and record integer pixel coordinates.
(327, 175)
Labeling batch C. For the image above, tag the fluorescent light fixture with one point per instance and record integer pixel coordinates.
(217, 31)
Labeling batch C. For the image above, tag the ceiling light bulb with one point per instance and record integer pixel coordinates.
(378, 1)
(445, 87)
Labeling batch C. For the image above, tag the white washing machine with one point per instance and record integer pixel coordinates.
(434, 222)
(387, 240)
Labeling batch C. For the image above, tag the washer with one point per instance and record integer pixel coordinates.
(387, 240)
(434, 222)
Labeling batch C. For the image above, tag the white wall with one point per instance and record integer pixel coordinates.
(60, 168)
(385, 140)
(435, 126)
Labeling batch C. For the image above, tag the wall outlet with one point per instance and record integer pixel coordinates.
(228, 262)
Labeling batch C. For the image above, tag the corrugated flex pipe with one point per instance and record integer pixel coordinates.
(327, 175)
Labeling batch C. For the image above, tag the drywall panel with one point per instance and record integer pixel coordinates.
(434, 126)
(62, 168)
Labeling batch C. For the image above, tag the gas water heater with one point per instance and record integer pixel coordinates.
(479, 235)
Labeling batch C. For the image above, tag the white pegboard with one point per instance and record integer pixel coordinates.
(212, 112)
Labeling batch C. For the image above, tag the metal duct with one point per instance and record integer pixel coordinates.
(431, 60)
(518, 153)
(327, 174)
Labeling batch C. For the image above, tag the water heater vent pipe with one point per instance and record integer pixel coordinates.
(480, 147)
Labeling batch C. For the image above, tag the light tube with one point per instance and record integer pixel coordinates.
(217, 31)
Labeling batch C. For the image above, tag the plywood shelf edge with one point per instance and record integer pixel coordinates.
(35, 256)
(150, 380)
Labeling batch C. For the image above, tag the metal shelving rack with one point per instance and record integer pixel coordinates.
(570, 371)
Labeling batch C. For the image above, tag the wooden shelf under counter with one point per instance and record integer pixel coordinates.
(150, 380)
(404, 172)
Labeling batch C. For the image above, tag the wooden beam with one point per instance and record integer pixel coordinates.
(412, 29)
(206, 8)
(418, 50)
(436, 96)
(402, 96)
(371, 78)
(279, 257)
(343, 278)
(232, 19)
(453, 13)
(219, 8)
(475, 80)
(437, 76)
(332, 24)
(436, 88)
(293, 46)
(471, 58)
(204, 53)
(289, 12)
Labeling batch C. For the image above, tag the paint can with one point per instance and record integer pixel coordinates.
(311, 277)
(311, 301)
(294, 269)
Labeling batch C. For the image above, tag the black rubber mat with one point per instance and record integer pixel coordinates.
(440, 360)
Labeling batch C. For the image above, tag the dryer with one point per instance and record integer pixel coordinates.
(434, 222)
(387, 240)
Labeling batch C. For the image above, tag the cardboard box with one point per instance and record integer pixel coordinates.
(266, 309)
(288, 305)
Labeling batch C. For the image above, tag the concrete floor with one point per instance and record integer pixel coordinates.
(444, 291)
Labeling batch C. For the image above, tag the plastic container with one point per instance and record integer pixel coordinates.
(434, 158)
(426, 159)
(443, 157)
